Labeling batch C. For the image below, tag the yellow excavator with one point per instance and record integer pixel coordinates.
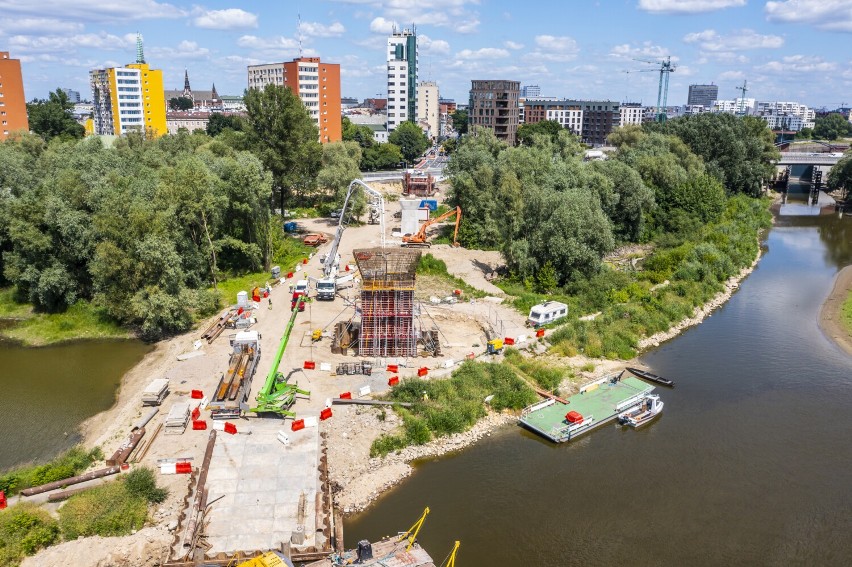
(419, 238)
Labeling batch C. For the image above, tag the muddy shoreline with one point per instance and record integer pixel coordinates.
(829, 317)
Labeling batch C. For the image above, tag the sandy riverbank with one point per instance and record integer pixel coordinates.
(829, 316)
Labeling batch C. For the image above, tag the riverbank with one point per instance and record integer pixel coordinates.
(831, 314)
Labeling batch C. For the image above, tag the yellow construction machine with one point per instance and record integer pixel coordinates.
(495, 346)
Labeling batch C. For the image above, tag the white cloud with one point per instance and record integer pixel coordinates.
(381, 25)
(46, 43)
(555, 48)
(832, 15)
(184, 50)
(732, 75)
(278, 42)
(228, 19)
(513, 45)
(741, 40)
(40, 26)
(798, 64)
(94, 10)
(315, 29)
(687, 6)
(432, 46)
(646, 50)
(482, 53)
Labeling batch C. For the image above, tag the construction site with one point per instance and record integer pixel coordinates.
(246, 458)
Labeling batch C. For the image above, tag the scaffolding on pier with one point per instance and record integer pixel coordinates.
(387, 301)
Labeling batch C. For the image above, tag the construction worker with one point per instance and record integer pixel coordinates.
(269, 299)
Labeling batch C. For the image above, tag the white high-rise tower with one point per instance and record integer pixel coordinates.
(402, 77)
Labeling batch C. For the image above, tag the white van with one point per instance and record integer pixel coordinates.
(546, 312)
(301, 288)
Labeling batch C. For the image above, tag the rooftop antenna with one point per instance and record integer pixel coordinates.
(140, 55)
(299, 31)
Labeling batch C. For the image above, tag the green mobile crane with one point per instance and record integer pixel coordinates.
(277, 395)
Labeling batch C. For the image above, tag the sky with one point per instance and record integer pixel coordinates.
(789, 50)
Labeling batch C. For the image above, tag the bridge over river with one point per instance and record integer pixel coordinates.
(805, 158)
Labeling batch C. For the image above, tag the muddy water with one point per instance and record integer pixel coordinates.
(47, 392)
(750, 464)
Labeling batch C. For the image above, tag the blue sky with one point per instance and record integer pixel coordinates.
(787, 50)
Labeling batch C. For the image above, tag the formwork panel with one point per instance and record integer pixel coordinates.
(387, 301)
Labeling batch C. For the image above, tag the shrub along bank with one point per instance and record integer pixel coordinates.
(71, 463)
(444, 407)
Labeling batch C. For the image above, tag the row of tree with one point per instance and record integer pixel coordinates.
(143, 228)
(555, 216)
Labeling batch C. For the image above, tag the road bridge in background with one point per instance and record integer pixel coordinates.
(803, 158)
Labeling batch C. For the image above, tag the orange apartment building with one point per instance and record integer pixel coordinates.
(316, 83)
(13, 105)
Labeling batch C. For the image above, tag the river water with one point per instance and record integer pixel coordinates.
(48, 392)
(750, 463)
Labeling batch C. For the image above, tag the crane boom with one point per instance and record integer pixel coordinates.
(332, 261)
(420, 237)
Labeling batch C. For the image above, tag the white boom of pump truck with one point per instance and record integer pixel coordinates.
(327, 285)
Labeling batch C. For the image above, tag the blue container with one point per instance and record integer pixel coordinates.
(432, 204)
(290, 226)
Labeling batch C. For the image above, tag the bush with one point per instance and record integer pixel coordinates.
(140, 482)
(106, 510)
(24, 529)
(70, 463)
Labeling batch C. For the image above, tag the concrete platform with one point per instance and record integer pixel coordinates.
(261, 481)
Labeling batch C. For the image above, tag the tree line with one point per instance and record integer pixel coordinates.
(554, 216)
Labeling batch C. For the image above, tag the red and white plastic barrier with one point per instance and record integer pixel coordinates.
(325, 414)
(297, 424)
(176, 468)
(393, 368)
(508, 341)
(310, 365)
(225, 426)
(346, 395)
(393, 381)
(199, 425)
(421, 372)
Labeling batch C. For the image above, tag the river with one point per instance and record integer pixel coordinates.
(750, 462)
(47, 392)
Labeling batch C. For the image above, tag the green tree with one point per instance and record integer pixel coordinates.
(218, 122)
(549, 128)
(410, 139)
(381, 156)
(632, 198)
(832, 127)
(459, 118)
(52, 118)
(360, 133)
(738, 151)
(340, 165)
(805, 134)
(282, 134)
(840, 176)
(181, 103)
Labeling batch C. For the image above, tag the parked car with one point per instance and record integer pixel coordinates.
(336, 213)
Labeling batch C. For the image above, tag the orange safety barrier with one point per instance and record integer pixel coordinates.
(298, 424)
(3, 502)
(539, 333)
(230, 428)
(508, 341)
(346, 396)
(199, 425)
(183, 468)
(196, 413)
(325, 414)
(470, 356)
(196, 394)
(423, 371)
(125, 466)
(310, 365)
(393, 368)
(304, 261)
(289, 275)
(393, 381)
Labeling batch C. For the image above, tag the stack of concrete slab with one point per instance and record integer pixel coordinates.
(155, 392)
(177, 419)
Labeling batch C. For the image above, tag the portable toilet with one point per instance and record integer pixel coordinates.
(276, 272)
(242, 299)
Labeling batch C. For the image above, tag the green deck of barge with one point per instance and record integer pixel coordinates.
(597, 407)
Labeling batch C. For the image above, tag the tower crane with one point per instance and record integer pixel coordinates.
(666, 67)
(327, 285)
(741, 108)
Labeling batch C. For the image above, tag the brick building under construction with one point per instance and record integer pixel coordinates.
(387, 301)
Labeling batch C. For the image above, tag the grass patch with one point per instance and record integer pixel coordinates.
(444, 407)
(24, 529)
(431, 266)
(107, 510)
(114, 509)
(70, 463)
(846, 313)
(547, 377)
(83, 320)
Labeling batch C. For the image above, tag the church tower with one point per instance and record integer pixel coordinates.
(187, 90)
